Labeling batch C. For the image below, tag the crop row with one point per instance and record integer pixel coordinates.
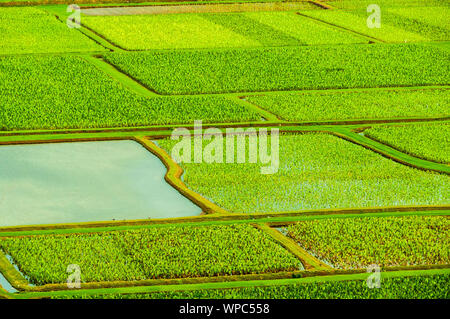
(385, 241)
(429, 141)
(289, 68)
(414, 287)
(316, 171)
(356, 105)
(169, 252)
(31, 30)
(68, 92)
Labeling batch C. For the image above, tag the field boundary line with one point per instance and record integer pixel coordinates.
(167, 129)
(309, 278)
(173, 177)
(114, 47)
(365, 36)
(273, 219)
(308, 261)
(269, 116)
(321, 4)
(277, 218)
(397, 148)
(124, 79)
(90, 35)
(390, 153)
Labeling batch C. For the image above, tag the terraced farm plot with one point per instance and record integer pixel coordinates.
(397, 24)
(296, 68)
(31, 30)
(72, 93)
(168, 252)
(306, 30)
(362, 4)
(430, 141)
(317, 171)
(414, 287)
(173, 31)
(386, 241)
(215, 30)
(358, 105)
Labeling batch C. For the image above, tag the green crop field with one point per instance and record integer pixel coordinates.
(317, 171)
(179, 31)
(387, 241)
(31, 30)
(422, 287)
(81, 96)
(429, 141)
(323, 106)
(242, 149)
(152, 253)
(398, 24)
(318, 67)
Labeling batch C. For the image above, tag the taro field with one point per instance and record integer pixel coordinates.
(240, 149)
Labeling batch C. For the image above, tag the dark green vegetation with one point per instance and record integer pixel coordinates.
(429, 141)
(72, 93)
(416, 287)
(318, 67)
(170, 252)
(322, 106)
(388, 241)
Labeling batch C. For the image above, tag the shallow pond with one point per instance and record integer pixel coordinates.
(85, 181)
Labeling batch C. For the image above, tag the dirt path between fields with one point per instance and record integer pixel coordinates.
(199, 8)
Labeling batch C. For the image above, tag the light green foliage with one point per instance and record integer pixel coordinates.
(414, 287)
(322, 106)
(169, 252)
(31, 30)
(385, 241)
(397, 24)
(430, 141)
(294, 68)
(172, 31)
(68, 92)
(316, 171)
(251, 28)
(305, 29)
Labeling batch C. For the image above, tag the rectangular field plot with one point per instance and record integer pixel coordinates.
(174, 31)
(167, 252)
(307, 67)
(397, 24)
(410, 287)
(85, 182)
(68, 92)
(306, 30)
(362, 4)
(429, 141)
(386, 241)
(316, 171)
(219, 30)
(358, 105)
(31, 30)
